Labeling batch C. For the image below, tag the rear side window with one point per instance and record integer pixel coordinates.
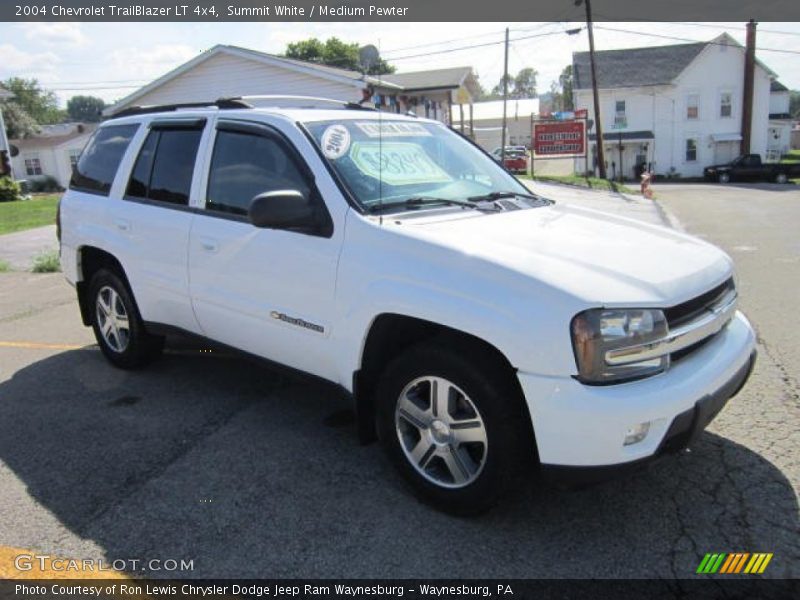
(100, 160)
(164, 167)
(245, 165)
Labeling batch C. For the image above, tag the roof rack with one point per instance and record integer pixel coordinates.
(222, 103)
(243, 102)
(302, 101)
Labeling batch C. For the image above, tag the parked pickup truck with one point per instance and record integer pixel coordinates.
(749, 167)
(479, 328)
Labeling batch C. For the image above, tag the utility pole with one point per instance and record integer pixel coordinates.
(505, 100)
(749, 82)
(598, 128)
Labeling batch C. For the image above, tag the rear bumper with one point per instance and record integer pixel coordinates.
(579, 425)
(682, 432)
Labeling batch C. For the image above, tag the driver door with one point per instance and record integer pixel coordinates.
(269, 292)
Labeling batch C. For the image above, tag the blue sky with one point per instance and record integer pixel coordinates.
(112, 59)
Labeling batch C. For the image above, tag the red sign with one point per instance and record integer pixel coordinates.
(559, 138)
(581, 113)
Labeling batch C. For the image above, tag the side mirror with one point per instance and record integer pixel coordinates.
(282, 209)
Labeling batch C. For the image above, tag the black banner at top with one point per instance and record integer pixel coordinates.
(396, 10)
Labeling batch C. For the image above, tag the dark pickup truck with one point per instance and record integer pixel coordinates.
(749, 167)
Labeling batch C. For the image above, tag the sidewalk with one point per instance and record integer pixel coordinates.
(624, 205)
(20, 248)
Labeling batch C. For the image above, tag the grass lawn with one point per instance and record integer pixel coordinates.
(27, 214)
(594, 183)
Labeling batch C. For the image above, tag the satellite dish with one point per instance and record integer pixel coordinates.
(367, 56)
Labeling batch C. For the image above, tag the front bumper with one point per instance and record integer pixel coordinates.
(578, 426)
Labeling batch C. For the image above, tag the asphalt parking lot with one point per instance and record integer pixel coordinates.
(210, 457)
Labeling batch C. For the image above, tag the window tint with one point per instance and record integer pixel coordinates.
(244, 166)
(98, 164)
(164, 167)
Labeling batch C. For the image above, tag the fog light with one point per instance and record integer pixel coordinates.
(637, 433)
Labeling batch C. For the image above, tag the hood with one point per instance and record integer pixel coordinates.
(599, 258)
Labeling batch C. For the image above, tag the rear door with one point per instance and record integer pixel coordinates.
(266, 291)
(155, 218)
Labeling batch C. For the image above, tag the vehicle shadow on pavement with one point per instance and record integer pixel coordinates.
(252, 474)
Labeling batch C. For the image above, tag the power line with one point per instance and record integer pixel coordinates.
(682, 39)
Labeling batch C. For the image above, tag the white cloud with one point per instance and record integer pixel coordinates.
(138, 63)
(55, 34)
(19, 63)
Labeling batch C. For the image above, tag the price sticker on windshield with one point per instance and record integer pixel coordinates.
(397, 163)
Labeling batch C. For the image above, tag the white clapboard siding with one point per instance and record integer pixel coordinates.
(224, 75)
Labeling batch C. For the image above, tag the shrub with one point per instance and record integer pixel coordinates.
(47, 262)
(43, 184)
(4, 266)
(9, 190)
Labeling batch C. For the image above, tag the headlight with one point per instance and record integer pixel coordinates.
(598, 331)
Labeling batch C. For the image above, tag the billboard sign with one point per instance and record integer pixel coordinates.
(559, 138)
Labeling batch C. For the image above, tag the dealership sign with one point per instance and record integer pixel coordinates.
(559, 138)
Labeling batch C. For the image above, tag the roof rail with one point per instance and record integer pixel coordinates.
(222, 103)
(301, 101)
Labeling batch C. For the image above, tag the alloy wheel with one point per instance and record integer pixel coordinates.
(112, 319)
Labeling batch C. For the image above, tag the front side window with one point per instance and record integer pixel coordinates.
(691, 150)
(98, 164)
(33, 165)
(394, 161)
(245, 165)
(165, 165)
(725, 104)
(693, 106)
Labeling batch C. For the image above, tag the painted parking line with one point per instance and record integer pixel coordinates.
(42, 346)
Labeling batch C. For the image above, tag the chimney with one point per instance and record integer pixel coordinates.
(749, 81)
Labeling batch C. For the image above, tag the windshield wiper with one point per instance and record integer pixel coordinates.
(498, 195)
(423, 201)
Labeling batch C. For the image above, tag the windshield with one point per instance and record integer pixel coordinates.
(392, 161)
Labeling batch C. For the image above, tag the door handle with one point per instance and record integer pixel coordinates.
(208, 244)
(122, 224)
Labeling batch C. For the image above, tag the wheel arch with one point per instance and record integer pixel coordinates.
(389, 335)
(91, 259)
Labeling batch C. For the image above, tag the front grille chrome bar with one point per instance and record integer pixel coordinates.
(706, 325)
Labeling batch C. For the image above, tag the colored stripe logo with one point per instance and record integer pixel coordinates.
(734, 562)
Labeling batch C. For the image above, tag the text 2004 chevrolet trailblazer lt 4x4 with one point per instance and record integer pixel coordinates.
(479, 328)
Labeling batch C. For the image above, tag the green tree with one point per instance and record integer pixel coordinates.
(85, 108)
(40, 104)
(525, 83)
(334, 53)
(497, 91)
(794, 104)
(19, 124)
(565, 82)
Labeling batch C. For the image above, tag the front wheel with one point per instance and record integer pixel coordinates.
(724, 178)
(117, 326)
(781, 178)
(456, 430)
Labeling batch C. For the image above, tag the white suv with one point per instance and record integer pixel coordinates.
(479, 328)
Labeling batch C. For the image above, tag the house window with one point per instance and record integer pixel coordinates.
(620, 120)
(693, 106)
(725, 104)
(691, 150)
(33, 166)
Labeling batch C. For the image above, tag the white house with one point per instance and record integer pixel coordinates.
(779, 138)
(51, 153)
(229, 71)
(675, 108)
(486, 122)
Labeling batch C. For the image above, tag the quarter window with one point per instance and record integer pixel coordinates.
(164, 167)
(691, 150)
(245, 165)
(98, 164)
(692, 106)
(725, 104)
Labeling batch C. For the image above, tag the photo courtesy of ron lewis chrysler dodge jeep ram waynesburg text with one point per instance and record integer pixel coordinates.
(480, 329)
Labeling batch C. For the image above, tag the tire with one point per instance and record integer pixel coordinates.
(724, 178)
(117, 325)
(468, 456)
(781, 178)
